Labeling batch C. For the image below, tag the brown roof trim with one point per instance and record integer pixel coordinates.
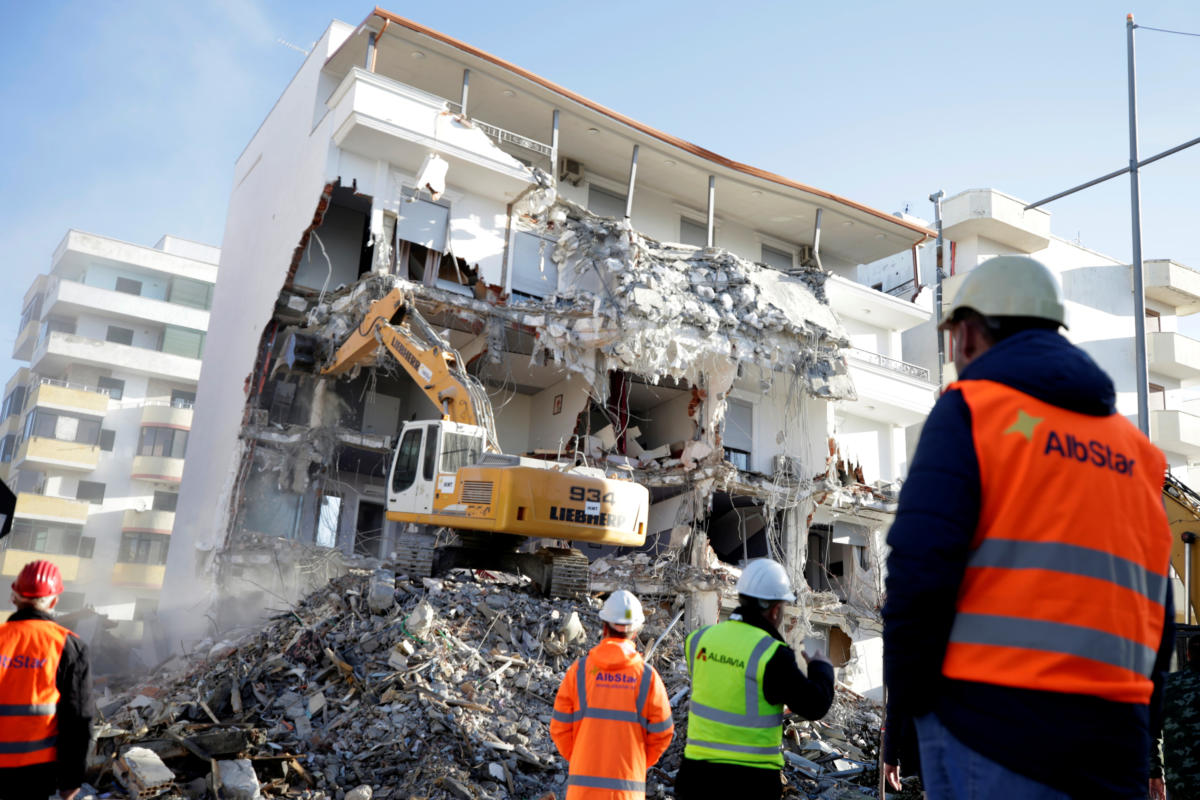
(708, 155)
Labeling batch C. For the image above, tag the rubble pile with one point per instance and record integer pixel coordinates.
(375, 687)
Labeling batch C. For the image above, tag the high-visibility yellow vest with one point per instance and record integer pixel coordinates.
(729, 720)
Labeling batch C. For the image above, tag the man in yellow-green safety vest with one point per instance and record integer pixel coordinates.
(742, 677)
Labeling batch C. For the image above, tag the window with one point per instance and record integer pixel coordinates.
(774, 257)
(7, 448)
(182, 399)
(144, 548)
(405, 470)
(1157, 400)
(1153, 321)
(737, 434)
(329, 520)
(91, 491)
(87, 546)
(57, 325)
(165, 501)
(182, 342)
(52, 538)
(32, 311)
(162, 442)
(108, 439)
(605, 203)
(694, 233)
(534, 271)
(119, 335)
(187, 292)
(114, 387)
(422, 222)
(63, 427)
(129, 286)
(13, 403)
(29, 481)
(460, 450)
(431, 443)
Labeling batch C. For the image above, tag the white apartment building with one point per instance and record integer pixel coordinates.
(95, 428)
(628, 299)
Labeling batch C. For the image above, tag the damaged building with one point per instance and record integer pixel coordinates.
(628, 303)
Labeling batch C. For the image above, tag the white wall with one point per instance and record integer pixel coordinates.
(277, 182)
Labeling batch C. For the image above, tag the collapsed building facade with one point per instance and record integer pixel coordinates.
(629, 301)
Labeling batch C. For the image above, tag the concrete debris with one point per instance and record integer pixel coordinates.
(142, 773)
(446, 694)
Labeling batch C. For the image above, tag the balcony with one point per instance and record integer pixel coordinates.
(11, 562)
(70, 298)
(158, 469)
(71, 397)
(138, 576)
(168, 416)
(59, 350)
(40, 452)
(51, 509)
(996, 216)
(1174, 355)
(1172, 284)
(382, 119)
(857, 301)
(152, 521)
(888, 390)
(1176, 431)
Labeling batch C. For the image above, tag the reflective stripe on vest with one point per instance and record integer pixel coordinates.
(728, 719)
(616, 784)
(1065, 588)
(30, 652)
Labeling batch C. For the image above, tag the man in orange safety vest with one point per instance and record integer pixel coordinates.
(44, 693)
(612, 719)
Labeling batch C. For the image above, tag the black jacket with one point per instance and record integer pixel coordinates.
(930, 540)
(74, 684)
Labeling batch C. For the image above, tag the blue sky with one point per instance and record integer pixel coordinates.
(125, 118)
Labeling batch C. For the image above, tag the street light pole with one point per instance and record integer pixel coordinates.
(1142, 375)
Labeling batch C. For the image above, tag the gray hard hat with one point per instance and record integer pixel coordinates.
(1010, 286)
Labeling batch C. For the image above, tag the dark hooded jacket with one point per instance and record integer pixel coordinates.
(1085, 746)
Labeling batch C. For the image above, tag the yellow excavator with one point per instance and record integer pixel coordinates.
(449, 473)
(1183, 514)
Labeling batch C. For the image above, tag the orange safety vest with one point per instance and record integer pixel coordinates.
(30, 651)
(1065, 586)
(611, 721)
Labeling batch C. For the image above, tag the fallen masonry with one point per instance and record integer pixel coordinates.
(443, 689)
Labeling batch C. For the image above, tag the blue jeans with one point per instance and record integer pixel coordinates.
(952, 771)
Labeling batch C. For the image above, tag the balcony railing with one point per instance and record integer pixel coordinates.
(902, 289)
(502, 135)
(901, 367)
(81, 387)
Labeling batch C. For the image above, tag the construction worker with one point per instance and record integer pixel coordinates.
(612, 718)
(1180, 732)
(44, 693)
(742, 677)
(1028, 620)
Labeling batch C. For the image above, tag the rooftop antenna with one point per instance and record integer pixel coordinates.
(291, 46)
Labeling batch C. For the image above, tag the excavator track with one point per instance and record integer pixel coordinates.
(568, 573)
(415, 554)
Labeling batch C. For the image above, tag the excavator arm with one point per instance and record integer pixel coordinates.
(431, 362)
(1183, 515)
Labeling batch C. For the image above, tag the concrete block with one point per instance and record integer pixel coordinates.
(238, 780)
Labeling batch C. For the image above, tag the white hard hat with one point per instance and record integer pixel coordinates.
(766, 580)
(623, 611)
(1010, 286)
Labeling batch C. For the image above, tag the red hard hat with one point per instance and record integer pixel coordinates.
(38, 579)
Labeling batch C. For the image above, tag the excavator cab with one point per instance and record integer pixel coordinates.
(426, 461)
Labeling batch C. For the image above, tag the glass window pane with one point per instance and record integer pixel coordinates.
(405, 470)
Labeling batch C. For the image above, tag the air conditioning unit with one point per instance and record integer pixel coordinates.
(785, 467)
(570, 170)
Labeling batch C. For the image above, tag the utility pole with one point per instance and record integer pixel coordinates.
(936, 199)
(1141, 372)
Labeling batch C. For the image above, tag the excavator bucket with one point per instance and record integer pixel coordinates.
(299, 352)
